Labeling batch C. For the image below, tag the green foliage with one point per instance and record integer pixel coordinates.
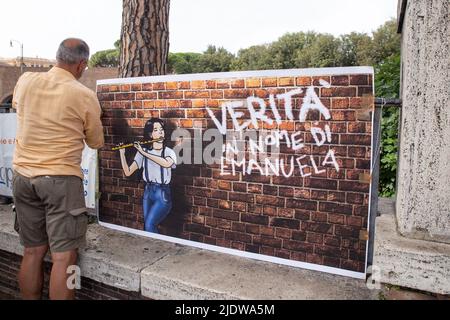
(386, 58)
(356, 49)
(106, 58)
(324, 51)
(285, 50)
(389, 149)
(387, 84)
(386, 42)
(387, 77)
(253, 58)
(215, 60)
(184, 63)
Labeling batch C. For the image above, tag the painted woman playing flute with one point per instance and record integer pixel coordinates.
(157, 162)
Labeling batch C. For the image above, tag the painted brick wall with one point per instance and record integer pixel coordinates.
(315, 219)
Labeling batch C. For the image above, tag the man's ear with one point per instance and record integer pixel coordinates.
(82, 65)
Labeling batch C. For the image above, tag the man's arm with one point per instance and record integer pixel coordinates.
(93, 127)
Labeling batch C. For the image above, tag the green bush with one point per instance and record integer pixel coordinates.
(387, 84)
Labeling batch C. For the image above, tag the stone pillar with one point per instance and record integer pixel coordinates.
(419, 257)
(423, 191)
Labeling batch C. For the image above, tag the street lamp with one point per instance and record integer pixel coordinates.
(21, 53)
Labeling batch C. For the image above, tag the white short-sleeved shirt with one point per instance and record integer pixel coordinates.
(152, 170)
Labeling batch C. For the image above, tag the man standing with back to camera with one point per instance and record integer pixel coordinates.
(56, 115)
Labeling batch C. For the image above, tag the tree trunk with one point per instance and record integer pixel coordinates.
(144, 38)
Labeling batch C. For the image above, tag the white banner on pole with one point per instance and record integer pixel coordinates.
(7, 144)
(89, 167)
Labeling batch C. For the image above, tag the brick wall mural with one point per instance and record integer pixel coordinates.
(273, 163)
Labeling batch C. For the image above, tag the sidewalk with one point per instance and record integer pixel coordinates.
(161, 270)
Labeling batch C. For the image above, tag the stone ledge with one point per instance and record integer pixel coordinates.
(417, 264)
(117, 258)
(162, 270)
(201, 275)
(9, 239)
(110, 257)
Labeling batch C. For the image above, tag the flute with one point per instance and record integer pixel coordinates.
(124, 146)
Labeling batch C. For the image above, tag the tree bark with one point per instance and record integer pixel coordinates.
(145, 38)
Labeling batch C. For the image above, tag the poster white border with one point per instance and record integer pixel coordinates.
(242, 74)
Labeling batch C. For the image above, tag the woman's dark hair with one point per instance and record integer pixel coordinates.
(149, 126)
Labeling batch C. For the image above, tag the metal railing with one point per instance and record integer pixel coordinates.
(387, 102)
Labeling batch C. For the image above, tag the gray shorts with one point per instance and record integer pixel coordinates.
(50, 210)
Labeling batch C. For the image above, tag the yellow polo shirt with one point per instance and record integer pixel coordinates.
(56, 115)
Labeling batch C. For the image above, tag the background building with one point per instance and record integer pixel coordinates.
(29, 62)
(10, 74)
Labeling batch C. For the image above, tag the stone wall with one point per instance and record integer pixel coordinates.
(423, 193)
(90, 290)
(414, 252)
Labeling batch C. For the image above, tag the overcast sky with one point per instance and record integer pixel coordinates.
(233, 24)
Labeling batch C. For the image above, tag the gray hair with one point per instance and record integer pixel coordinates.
(72, 51)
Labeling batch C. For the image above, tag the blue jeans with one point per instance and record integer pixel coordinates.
(157, 205)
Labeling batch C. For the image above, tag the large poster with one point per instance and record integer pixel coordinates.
(273, 165)
(8, 122)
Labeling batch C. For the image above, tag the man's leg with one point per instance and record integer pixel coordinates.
(66, 222)
(31, 274)
(59, 288)
(30, 224)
